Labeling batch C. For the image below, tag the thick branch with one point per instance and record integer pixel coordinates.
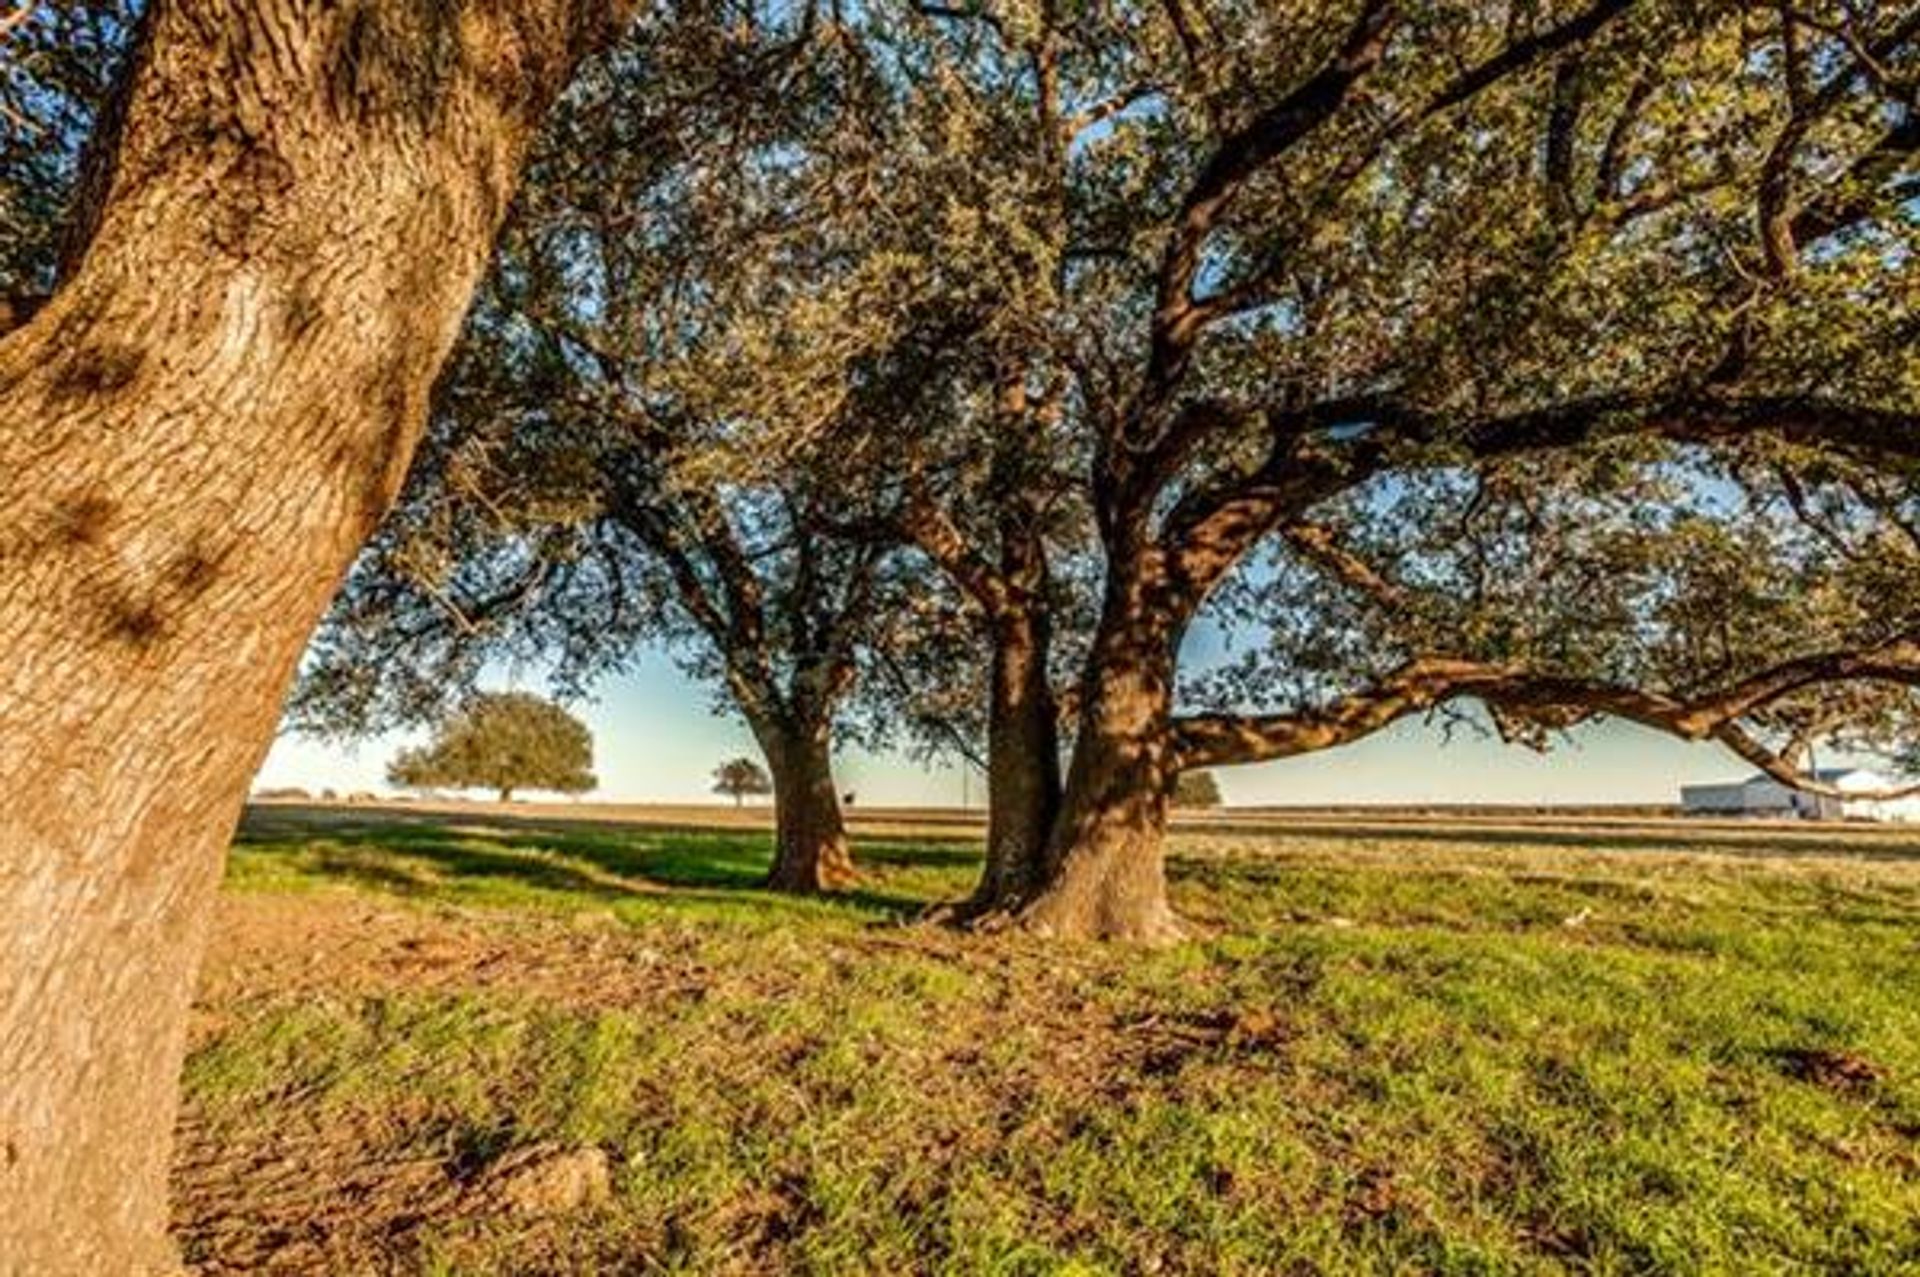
(1522, 54)
(1337, 445)
(1781, 765)
(932, 529)
(1215, 740)
(1320, 545)
(1225, 740)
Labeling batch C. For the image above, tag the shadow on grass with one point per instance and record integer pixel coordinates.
(416, 853)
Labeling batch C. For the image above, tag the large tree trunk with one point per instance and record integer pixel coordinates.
(196, 433)
(1106, 875)
(810, 849)
(1023, 763)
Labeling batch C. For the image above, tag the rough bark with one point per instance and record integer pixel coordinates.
(1023, 763)
(1106, 873)
(196, 433)
(810, 849)
(1023, 731)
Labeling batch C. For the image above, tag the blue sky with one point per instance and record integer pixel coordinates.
(657, 739)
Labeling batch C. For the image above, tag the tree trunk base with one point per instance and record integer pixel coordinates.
(1045, 916)
(1053, 917)
(820, 876)
(811, 854)
(974, 914)
(1110, 885)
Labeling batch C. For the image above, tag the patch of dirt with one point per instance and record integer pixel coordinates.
(310, 943)
(1834, 1070)
(1169, 1041)
(346, 1194)
(301, 1199)
(322, 1200)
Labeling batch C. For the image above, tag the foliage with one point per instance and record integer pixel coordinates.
(1328, 313)
(581, 495)
(502, 741)
(1197, 789)
(740, 778)
(1304, 319)
(57, 65)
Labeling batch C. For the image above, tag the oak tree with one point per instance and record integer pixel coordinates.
(1301, 262)
(1196, 789)
(284, 211)
(592, 488)
(741, 779)
(502, 741)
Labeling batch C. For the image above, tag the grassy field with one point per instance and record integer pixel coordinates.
(1391, 1047)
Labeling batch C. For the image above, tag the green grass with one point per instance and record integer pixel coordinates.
(1392, 1053)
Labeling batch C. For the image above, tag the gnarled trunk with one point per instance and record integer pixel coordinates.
(810, 850)
(196, 433)
(1023, 762)
(1106, 875)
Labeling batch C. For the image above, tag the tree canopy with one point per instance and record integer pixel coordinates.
(1197, 789)
(741, 778)
(502, 741)
(1555, 360)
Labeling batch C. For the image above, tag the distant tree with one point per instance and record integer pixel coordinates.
(740, 778)
(1196, 789)
(502, 741)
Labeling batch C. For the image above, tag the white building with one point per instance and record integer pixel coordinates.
(1763, 796)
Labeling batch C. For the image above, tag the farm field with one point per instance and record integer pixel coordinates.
(553, 1040)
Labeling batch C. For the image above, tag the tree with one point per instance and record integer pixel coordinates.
(286, 210)
(502, 741)
(1271, 272)
(741, 778)
(1196, 789)
(1198, 316)
(597, 479)
(959, 172)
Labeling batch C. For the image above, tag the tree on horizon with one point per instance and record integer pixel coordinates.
(741, 778)
(1197, 789)
(502, 741)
